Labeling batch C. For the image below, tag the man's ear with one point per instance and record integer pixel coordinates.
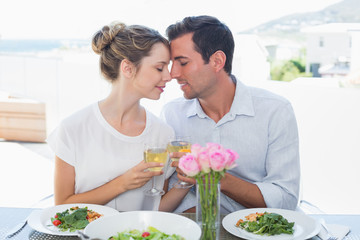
(218, 60)
(127, 68)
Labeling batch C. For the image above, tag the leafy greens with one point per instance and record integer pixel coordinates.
(267, 224)
(151, 233)
(72, 221)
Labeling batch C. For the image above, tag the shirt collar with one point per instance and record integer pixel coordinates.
(195, 109)
(242, 104)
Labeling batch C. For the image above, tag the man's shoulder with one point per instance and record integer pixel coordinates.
(266, 95)
(155, 120)
(178, 103)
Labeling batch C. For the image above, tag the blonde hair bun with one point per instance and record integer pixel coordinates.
(104, 37)
(116, 42)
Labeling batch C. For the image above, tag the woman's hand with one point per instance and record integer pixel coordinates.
(139, 175)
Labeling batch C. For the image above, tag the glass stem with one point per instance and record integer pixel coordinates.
(153, 183)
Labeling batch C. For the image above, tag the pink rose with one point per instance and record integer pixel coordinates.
(217, 161)
(214, 147)
(196, 148)
(189, 165)
(203, 159)
(231, 156)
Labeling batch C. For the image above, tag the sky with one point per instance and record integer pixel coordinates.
(80, 19)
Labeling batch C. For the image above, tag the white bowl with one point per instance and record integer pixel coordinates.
(168, 223)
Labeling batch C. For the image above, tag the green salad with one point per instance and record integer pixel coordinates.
(266, 224)
(150, 233)
(74, 219)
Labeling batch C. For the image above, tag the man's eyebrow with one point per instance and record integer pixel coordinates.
(179, 57)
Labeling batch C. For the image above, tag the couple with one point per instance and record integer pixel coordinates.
(99, 150)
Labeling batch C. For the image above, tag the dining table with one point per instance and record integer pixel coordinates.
(10, 217)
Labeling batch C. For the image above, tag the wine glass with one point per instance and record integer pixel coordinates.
(155, 153)
(180, 144)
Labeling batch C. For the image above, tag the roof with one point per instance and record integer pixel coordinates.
(332, 28)
(337, 68)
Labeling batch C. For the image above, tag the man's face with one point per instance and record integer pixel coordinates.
(194, 76)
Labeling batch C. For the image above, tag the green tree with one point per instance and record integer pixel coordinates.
(290, 69)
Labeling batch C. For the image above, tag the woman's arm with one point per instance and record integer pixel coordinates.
(64, 184)
(171, 199)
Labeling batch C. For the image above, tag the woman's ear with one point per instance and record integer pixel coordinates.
(127, 68)
(218, 60)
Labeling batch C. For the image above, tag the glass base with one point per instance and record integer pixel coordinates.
(154, 192)
(181, 184)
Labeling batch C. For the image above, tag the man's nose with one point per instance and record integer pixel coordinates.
(175, 73)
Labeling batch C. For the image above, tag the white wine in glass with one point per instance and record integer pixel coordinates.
(155, 154)
(159, 155)
(180, 144)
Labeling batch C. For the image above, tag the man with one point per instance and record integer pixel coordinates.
(260, 126)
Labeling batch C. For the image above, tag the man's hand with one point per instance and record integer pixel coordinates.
(180, 174)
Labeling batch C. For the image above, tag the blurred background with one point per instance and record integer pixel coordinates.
(307, 51)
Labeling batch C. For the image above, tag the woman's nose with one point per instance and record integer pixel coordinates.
(167, 76)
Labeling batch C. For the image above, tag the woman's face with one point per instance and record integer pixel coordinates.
(153, 73)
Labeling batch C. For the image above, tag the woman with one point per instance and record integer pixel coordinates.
(99, 150)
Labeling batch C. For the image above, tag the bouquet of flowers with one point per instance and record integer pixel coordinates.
(208, 165)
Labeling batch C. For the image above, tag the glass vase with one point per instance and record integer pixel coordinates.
(208, 209)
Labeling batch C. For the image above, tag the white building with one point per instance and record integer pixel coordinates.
(328, 43)
(250, 63)
(355, 50)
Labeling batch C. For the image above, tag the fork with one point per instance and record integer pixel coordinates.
(329, 234)
(352, 237)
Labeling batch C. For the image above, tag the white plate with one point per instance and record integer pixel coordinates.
(168, 223)
(305, 226)
(41, 220)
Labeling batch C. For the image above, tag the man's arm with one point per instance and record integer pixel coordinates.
(243, 192)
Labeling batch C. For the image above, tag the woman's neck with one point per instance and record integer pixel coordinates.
(122, 110)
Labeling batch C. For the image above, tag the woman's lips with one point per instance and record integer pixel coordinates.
(160, 88)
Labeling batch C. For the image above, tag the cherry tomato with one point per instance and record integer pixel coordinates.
(145, 234)
(56, 222)
(56, 216)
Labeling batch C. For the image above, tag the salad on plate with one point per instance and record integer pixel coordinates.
(150, 233)
(266, 224)
(74, 218)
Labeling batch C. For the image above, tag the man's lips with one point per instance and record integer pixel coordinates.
(183, 85)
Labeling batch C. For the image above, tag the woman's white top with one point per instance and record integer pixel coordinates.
(99, 153)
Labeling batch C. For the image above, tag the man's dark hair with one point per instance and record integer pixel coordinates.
(210, 35)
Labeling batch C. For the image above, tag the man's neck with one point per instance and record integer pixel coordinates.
(220, 102)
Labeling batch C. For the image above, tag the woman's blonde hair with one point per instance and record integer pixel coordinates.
(116, 42)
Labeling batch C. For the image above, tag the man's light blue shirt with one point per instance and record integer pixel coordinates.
(261, 127)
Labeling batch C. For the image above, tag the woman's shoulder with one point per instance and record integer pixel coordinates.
(158, 123)
(79, 117)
